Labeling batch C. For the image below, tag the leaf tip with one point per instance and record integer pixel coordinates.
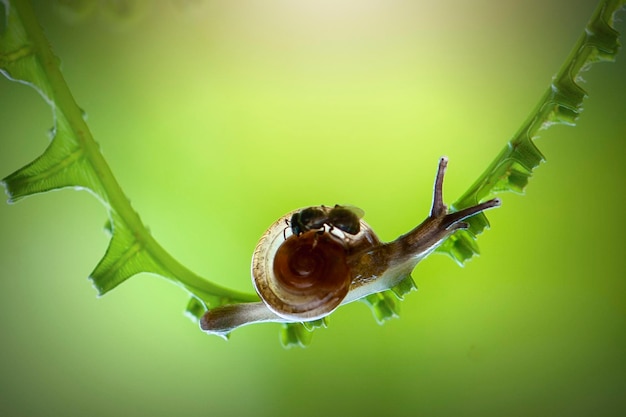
(384, 306)
(294, 335)
(195, 309)
(7, 191)
(101, 291)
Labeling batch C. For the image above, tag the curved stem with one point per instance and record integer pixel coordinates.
(560, 104)
(115, 199)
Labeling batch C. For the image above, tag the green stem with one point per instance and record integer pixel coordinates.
(560, 104)
(115, 197)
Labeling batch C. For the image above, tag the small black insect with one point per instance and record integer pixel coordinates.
(345, 218)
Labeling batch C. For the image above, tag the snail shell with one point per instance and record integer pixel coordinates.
(305, 277)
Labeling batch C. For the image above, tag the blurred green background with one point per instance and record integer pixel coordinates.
(219, 116)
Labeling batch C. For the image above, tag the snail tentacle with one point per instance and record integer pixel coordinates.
(440, 224)
(384, 266)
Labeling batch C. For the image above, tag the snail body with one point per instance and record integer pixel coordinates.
(312, 260)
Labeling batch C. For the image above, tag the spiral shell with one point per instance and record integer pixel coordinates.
(305, 277)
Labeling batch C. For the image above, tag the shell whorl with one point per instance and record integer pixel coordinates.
(305, 277)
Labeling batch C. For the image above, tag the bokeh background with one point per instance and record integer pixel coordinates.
(219, 116)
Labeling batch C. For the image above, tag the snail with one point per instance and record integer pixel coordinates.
(313, 260)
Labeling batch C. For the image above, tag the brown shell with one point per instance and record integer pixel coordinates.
(306, 277)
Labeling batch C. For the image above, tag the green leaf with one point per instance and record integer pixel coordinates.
(385, 304)
(294, 335)
(195, 309)
(404, 287)
(63, 164)
(125, 257)
(560, 104)
(73, 159)
(300, 334)
(18, 59)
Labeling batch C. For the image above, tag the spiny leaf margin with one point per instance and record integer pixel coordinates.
(73, 159)
(560, 104)
(384, 306)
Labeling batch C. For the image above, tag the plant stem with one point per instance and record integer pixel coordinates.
(115, 199)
